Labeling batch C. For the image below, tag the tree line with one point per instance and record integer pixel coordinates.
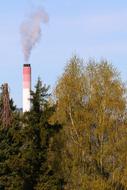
(72, 139)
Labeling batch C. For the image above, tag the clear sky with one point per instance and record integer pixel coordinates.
(90, 28)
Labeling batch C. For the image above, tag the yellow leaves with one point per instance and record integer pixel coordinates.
(99, 184)
(91, 106)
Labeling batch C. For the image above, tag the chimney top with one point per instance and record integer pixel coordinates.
(26, 65)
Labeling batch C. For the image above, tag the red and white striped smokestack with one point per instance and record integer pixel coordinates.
(26, 87)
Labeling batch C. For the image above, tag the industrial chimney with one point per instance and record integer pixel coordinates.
(26, 87)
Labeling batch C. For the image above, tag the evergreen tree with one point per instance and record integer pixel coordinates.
(39, 97)
(25, 147)
(38, 119)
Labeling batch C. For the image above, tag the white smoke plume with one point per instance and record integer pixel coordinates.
(31, 31)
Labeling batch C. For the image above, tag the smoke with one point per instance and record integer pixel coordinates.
(31, 31)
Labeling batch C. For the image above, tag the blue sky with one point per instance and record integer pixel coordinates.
(91, 28)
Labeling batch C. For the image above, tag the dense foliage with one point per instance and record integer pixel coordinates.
(91, 105)
(75, 140)
(28, 158)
